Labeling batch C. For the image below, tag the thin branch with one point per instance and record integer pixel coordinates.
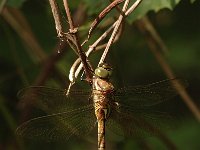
(119, 21)
(74, 72)
(102, 46)
(57, 17)
(59, 27)
(82, 55)
(133, 7)
(114, 3)
(49, 64)
(102, 15)
(71, 24)
(47, 67)
(71, 37)
(166, 68)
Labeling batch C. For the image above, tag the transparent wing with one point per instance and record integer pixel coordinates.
(138, 123)
(60, 126)
(148, 95)
(53, 100)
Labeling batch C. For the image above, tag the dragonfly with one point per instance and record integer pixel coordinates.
(128, 111)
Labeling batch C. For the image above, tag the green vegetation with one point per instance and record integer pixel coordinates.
(28, 56)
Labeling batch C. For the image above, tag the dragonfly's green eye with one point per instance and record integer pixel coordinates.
(103, 71)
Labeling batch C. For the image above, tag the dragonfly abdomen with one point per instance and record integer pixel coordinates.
(100, 104)
(101, 91)
(102, 109)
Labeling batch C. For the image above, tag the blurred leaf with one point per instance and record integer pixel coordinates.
(147, 6)
(132, 61)
(94, 6)
(192, 1)
(15, 3)
(152, 5)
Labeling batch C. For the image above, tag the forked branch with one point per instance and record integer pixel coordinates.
(74, 71)
(72, 36)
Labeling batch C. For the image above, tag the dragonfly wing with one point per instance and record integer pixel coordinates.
(148, 95)
(128, 122)
(52, 100)
(60, 126)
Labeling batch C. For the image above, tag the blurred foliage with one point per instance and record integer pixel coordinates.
(15, 3)
(131, 58)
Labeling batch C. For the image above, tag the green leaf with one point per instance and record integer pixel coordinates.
(15, 3)
(148, 5)
(153, 5)
(95, 6)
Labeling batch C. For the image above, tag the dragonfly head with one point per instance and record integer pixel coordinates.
(104, 71)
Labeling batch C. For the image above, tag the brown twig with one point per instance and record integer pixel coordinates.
(117, 37)
(74, 72)
(75, 69)
(59, 27)
(153, 45)
(57, 17)
(102, 15)
(114, 33)
(48, 66)
(82, 55)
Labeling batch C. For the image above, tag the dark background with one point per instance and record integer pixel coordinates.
(21, 65)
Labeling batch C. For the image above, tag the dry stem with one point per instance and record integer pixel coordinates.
(74, 72)
(82, 55)
(119, 21)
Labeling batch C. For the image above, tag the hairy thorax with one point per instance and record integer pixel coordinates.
(102, 90)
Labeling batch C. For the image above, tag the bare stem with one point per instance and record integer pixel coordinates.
(102, 15)
(73, 30)
(74, 72)
(57, 17)
(133, 7)
(119, 21)
(71, 24)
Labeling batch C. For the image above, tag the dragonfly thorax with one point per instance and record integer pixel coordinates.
(102, 85)
(102, 89)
